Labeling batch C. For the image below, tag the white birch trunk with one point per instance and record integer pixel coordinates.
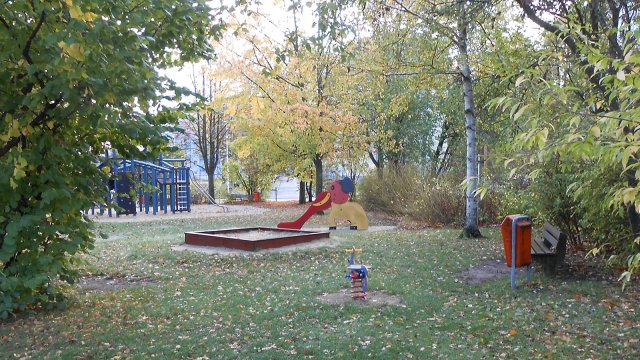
(471, 222)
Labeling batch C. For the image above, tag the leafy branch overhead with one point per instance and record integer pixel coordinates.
(76, 76)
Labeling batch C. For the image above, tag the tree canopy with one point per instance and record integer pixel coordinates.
(79, 77)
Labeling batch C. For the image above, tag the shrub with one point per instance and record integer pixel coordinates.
(421, 196)
(577, 199)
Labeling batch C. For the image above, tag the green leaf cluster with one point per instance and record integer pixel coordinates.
(576, 108)
(78, 77)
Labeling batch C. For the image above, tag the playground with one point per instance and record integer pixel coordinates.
(424, 298)
(179, 180)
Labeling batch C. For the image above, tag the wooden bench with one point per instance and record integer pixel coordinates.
(550, 249)
(239, 197)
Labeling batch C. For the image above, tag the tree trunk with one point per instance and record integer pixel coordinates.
(377, 162)
(439, 156)
(471, 223)
(317, 162)
(212, 185)
(302, 199)
(310, 191)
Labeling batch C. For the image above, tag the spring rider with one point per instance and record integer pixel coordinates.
(358, 275)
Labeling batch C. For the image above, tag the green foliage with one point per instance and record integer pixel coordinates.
(409, 104)
(578, 128)
(553, 203)
(247, 174)
(74, 76)
(571, 199)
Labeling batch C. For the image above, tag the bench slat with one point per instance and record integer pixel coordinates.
(538, 248)
(554, 231)
(535, 247)
(550, 241)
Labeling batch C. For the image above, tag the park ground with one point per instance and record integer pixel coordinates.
(141, 298)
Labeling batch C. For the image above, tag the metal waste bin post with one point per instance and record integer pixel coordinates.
(516, 237)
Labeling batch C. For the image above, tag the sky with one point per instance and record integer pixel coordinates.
(275, 19)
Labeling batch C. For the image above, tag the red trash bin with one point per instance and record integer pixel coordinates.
(256, 196)
(523, 239)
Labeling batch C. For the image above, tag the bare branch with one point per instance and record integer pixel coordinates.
(531, 14)
(27, 46)
(258, 85)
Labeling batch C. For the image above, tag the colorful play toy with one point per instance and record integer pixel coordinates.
(322, 202)
(358, 275)
(342, 208)
(161, 185)
(338, 200)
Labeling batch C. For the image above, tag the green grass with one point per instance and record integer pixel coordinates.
(264, 306)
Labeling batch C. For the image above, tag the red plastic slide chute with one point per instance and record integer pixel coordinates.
(322, 202)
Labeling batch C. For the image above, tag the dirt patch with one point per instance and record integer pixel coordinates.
(578, 266)
(374, 299)
(281, 204)
(111, 283)
(489, 270)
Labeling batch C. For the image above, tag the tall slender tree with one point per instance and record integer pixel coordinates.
(453, 20)
(210, 126)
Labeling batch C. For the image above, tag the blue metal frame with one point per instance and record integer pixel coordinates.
(161, 173)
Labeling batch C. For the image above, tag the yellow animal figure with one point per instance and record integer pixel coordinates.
(343, 209)
(350, 211)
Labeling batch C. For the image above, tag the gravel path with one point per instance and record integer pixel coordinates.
(197, 211)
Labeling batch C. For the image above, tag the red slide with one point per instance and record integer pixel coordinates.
(323, 202)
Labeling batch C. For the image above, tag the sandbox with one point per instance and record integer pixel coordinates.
(252, 238)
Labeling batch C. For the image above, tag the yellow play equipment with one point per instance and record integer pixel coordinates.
(338, 199)
(342, 208)
(350, 211)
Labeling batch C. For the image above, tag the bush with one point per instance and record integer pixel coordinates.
(421, 196)
(63, 97)
(577, 199)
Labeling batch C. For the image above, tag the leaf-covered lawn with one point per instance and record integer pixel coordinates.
(264, 305)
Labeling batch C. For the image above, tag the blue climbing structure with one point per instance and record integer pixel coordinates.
(161, 185)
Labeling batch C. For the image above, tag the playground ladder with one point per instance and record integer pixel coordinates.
(182, 197)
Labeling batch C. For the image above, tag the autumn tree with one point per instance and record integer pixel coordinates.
(76, 75)
(291, 84)
(402, 100)
(453, 20)
(209, 126)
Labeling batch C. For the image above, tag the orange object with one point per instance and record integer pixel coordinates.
(523, 240)
(256, 196)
